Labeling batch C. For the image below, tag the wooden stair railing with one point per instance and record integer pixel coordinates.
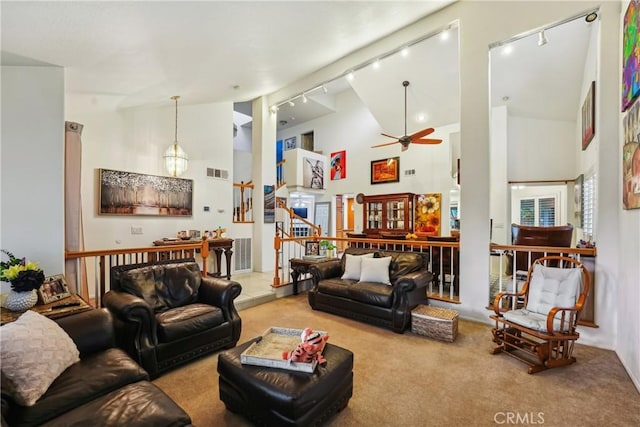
(316, 229)
(243, 206)
(280, 182)
(103, 260)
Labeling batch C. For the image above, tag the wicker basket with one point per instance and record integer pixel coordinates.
(435, 322)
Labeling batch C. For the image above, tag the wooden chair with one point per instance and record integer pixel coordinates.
(537, 325)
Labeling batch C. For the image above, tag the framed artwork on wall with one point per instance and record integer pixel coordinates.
(631, 55)
(129, 193)
(313, 173)
(589, 116)
(338, 165)
(290, 143)
(269, 204)
(631, 159)
(385, 170)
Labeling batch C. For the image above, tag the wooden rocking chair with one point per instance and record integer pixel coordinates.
(537, 325)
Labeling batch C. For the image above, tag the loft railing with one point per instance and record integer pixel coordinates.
(243, 201)
(99, 262)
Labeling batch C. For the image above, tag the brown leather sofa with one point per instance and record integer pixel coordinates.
(105, 388)
(375, 303)
(165, 313)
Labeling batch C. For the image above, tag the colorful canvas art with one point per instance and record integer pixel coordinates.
(338, 165)
(631, 55)
(428, 213)
(631, 159)
(589, 116)
(269, 204)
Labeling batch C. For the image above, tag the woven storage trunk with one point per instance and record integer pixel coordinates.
(435, 322)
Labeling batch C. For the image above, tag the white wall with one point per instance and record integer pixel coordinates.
(32, 159)
(540, 149)
(499, 201)
(134, 140)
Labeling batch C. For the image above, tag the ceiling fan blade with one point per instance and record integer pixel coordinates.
(390, 136)
(426, 141)
(423, 132)
(382, 145)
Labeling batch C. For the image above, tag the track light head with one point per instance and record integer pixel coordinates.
(291, 103)
(304, 98)
(324, 89)
(542, 38)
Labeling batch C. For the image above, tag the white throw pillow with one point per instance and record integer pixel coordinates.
(35, 351)
(352, 266)
(375, 270)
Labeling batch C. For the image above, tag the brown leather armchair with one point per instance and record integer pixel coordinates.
(525, 235)
(165, 313)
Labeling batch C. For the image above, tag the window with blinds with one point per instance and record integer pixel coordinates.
(589, 206)
(538, 211)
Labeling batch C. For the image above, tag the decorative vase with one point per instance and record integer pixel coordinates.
(21, 301)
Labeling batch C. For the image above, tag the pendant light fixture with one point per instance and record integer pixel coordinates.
(175, 159)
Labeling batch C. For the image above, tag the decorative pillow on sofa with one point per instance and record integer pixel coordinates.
(375, 270)
(35, 351)
(353, 264)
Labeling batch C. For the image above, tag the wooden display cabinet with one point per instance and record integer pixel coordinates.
(388, 213)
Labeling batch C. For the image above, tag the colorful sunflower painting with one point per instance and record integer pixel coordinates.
(427, 218)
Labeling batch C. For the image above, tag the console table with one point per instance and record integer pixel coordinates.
(301, 266)
(217, 246)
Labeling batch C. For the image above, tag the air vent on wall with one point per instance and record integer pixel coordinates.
(217, 173)
(408, 172)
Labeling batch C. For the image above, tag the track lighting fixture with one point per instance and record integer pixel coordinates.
(291, 103)
(304, 98)
(542, 39)
(324, 89)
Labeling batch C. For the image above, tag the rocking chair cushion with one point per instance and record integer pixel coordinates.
(553, 287)
(531, 320)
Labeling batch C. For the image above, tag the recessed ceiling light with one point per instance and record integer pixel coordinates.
(376, 64)
(444, 35)
(505, 98)
(591, 17)
(350, 76)
(405, 52)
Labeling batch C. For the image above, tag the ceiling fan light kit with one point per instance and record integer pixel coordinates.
(416, 138)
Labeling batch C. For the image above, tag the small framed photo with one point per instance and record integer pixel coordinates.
(290, 143)
(312, 248)
(53, 289)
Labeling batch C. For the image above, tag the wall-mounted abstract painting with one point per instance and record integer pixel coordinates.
(631, 55)
(338, 165)
(269, 204)
(129, 193)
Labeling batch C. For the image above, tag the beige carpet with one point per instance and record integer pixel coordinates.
(411, 380)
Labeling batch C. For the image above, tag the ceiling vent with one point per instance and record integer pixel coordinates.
(217, 173)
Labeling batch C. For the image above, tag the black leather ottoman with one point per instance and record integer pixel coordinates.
(277, 397)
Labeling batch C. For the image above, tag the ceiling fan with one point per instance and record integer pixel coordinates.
(416, 138)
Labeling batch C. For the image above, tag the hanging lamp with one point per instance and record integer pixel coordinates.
(175, 159)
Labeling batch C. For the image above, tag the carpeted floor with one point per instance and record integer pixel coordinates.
(411, 380)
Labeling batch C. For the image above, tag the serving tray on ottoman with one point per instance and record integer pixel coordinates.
(267, 350)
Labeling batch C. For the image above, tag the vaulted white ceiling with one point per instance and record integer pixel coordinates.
(204, 51)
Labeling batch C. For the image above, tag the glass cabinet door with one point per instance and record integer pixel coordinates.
(395, 214)
(374, 210)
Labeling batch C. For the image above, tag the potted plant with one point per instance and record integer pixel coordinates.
(328, 247)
